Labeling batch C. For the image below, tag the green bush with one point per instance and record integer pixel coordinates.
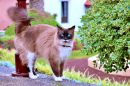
(42, 18)
(106, 29)
(10, 30)
(7, 37)
(7, 44)
(6, 55)
(78, 45)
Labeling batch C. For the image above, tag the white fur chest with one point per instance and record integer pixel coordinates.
(64, 52)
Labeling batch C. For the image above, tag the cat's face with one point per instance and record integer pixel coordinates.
(65, 35)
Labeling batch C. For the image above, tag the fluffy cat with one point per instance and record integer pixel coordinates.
(32, 42)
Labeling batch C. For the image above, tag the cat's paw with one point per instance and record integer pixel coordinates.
(58, 78)
(32, 76)
(63, 77)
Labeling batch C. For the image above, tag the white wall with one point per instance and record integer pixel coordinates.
(76, 9)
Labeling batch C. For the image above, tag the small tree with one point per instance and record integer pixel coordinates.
(36, 4)
(106, 30)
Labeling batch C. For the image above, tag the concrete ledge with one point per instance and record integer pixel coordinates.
(91, 64)
(43, 80)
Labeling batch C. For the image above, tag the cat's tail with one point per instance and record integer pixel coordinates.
(20, 17)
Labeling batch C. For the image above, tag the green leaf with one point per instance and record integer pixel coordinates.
(94, 61)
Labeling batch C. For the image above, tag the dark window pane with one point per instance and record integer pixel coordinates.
(64, 14)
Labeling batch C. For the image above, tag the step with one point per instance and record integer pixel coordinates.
(91, 64)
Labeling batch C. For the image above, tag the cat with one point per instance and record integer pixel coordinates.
(41, 41)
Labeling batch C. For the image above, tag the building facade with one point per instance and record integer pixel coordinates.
(68, 12)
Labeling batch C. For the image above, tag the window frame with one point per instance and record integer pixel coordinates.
(64, 11)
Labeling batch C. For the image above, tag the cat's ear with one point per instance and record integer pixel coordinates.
(72, 28)
(58, 27)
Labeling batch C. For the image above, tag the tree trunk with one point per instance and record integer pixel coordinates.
(36, 4)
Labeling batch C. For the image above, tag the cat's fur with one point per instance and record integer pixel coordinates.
(54, 44)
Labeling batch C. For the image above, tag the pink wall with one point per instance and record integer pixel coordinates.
(4, 5)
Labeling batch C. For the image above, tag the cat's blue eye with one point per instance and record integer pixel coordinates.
(62, 35)
(68, 35)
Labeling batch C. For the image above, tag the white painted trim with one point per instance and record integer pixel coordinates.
(64, 0)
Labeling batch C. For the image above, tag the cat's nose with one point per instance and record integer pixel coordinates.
(65, 38)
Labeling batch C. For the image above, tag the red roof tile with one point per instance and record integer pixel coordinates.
(87, 2)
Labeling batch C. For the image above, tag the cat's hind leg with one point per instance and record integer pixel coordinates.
(31, 62)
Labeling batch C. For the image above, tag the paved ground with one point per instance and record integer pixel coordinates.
(44, 80)
(19, 81)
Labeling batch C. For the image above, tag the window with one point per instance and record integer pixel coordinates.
(64, 10)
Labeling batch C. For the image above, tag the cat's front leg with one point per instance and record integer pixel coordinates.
(61, 70)
(56, 69)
